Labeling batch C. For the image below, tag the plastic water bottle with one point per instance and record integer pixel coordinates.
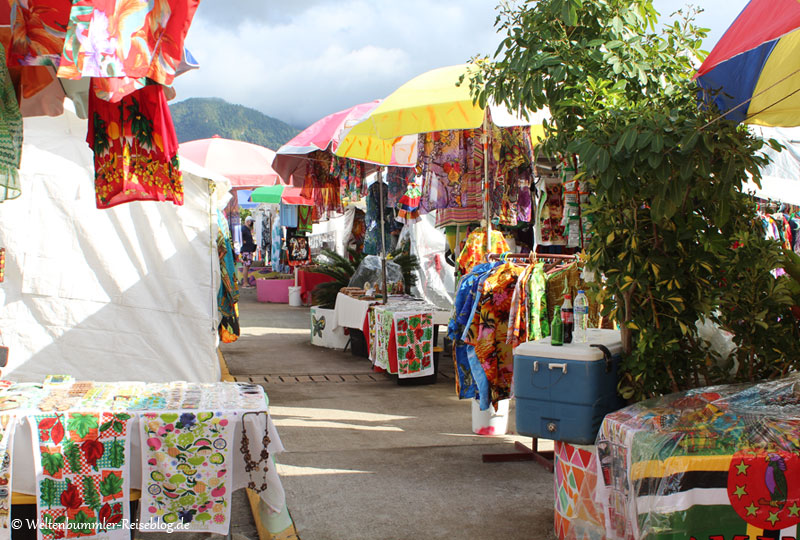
(567, 318)
(581, 312)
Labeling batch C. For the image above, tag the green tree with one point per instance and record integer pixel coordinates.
(673, 233)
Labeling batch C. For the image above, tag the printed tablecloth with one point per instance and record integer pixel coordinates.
(717, 462)
(207, 468)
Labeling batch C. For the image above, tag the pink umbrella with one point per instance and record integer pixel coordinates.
(292, 158)
(246, 165)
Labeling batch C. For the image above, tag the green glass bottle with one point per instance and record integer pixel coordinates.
(556, 328)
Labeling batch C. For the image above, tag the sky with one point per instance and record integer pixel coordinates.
(301, 60)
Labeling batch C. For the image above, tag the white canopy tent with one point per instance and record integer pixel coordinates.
(127, 293)
(780, 180)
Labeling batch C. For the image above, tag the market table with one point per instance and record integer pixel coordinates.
(404, 321)
(716, 462)
(308, 280)
(193, 459)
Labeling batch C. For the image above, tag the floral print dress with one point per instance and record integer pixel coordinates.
(135, 149)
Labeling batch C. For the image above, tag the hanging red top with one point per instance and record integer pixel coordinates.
(135, 149)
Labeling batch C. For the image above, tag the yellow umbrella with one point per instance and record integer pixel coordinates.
(433, 101)
(429, 102)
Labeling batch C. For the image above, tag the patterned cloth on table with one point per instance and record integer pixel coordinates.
(474, 251)
(124, 44)
(488, 330)
(397, 179)
(228, 294)
(10, 135)
(714, 461)
(187, 469)
(380, 334)
(469, 384)
(135, 149)
(575, 477)
(8, 425)
(82, 473)
(414, 338)
(408, 207)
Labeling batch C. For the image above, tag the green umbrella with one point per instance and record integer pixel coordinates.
(268, 194)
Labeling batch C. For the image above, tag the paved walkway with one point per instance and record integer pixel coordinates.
(368, 459)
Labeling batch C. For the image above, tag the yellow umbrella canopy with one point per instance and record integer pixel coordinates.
(433, 101)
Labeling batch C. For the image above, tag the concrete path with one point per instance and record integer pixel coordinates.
(368, 459)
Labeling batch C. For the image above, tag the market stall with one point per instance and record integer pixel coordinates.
(81, 446)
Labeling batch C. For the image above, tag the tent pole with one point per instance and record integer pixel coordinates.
(383, 232)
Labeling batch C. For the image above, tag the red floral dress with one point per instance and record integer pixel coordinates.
(135, 149)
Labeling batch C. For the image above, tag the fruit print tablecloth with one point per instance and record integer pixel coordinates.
(186, 461)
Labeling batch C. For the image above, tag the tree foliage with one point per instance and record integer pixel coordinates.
(673, 234)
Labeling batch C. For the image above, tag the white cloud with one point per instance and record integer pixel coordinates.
(298, 61)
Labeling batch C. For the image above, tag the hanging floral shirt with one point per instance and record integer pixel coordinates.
(135, 149)
(489, 329)
(228, 294)
(122, 43)
(474, 251)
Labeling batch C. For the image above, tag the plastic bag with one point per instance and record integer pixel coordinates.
(369, 271)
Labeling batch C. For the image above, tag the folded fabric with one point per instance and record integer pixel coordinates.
(82, 474)
(187, 471)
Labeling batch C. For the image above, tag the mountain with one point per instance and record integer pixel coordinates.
(202, 118)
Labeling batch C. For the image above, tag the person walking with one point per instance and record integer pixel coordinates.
(248, 248)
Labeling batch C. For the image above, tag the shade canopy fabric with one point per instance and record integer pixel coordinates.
(280, 194)
(432, 101)
(245, 164)
(327, 133)
(753, 73)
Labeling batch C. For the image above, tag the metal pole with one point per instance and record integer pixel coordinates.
(383, 232)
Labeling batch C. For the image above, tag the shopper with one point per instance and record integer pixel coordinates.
(248, 248)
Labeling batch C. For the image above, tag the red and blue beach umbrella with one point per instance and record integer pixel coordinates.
(756, 65)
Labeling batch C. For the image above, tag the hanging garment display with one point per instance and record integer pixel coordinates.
(135, 149)
(277, 238)
(451, 183)
(289, 215)
(187, 469)
(510, 167)
(8, 424)
(408, 207)
(228, 294)
(82, 473)
(397, 179)
(123, 44)
(474, 251)
(320, 186)
(10, 135)
(488, 329)
(551, 231)
(350, 174)
(298, 252)
(471, 382)
(372, 239)
(305, 220)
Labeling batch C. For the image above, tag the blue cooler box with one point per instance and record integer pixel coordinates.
(564, 392)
